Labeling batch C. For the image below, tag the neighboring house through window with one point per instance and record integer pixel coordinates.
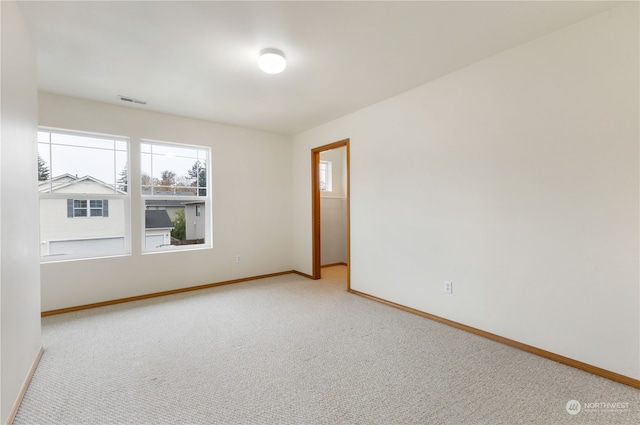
(84, 201)
(158, 227)
(174, 181)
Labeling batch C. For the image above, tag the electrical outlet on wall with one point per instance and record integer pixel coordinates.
(238, 258)
(448, 287)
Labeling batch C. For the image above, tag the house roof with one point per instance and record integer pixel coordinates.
(176, 192)
(157, 219)
(56, 181)
(65, 176)
(163, 203)
(66, 180)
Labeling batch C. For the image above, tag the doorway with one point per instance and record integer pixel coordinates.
(316, 206)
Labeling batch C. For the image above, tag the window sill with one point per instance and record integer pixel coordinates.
(178, 249)
(51, 260)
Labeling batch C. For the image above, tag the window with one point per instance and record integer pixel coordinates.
(78, 208)
(174, 185)
(96, 208)
(325, 176)
(83, 189)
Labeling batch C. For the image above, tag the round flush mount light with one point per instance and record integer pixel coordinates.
(272, 61)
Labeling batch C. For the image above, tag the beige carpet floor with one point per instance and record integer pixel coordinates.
(287, 350)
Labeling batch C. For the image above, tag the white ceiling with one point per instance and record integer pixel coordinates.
(199, 59)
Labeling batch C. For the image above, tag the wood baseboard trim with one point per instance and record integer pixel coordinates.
(25, 385)
(308, 276)
(333, 264)
(626, 380)
(161, 294)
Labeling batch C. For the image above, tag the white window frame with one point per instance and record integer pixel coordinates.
(208, 242)
(126, 198)
(325, 170)
(88, 208)
(92, 208)
(77, 209)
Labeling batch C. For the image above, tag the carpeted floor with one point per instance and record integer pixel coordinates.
(287, 350)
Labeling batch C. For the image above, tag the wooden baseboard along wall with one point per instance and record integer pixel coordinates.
(163, 293)
(333, 264)
(25, 385)
(308, 276)
(635, 383)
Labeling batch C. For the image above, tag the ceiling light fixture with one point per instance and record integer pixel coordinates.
(272, 61)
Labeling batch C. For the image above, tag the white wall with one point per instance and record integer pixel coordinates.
(19, 271)
(333, 210)
(251, 207)
(517, 178)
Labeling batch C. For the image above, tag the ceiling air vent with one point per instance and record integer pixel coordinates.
(131, 100)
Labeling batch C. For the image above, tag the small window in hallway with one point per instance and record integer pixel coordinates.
(325, 176)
